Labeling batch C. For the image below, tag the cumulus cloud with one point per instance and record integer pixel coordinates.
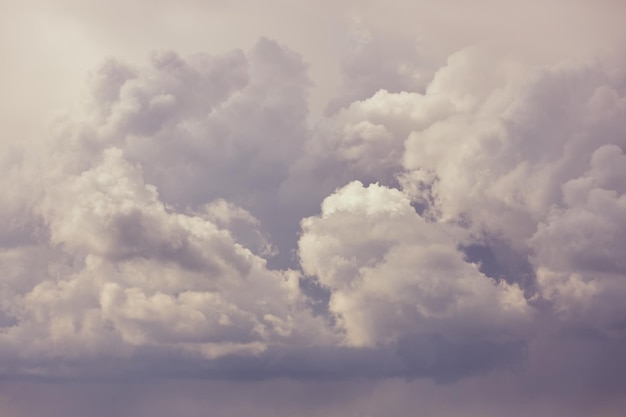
(123, 271)
(578, 246)
(181, 119)
(134, 238)
(391, 274)
(444, 219)
(522, 161)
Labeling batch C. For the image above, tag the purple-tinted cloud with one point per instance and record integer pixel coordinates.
(190, 239)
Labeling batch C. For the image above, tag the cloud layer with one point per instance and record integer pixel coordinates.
(454, 215)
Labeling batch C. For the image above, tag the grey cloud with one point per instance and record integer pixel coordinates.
(581, 266)
(380, 62)
(498, 260)
(513, 165)
(202, 128)
(149, 260)
(488, 217)
(149, 193)
(125, 271)
(363, 142)
(565, 380)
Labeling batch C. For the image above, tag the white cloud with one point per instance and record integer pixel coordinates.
(519, 159)
(392, 274)
(131, 222)
(150, 231)
(129, 272)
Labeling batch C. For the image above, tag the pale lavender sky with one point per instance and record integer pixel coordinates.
(294, 208)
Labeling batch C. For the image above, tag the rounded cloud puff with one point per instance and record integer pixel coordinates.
(124, 271)
(391, 273)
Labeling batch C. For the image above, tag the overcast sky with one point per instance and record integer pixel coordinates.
(295, 208)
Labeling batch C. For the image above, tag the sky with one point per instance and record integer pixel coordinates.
(294, 208)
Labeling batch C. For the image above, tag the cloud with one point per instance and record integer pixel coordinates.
(393, 62)
(136, 237)
(578, 245)
(400, 275)
(522, 161)
(180, 117)
(151, 250)
(451, 224)
(123, 272)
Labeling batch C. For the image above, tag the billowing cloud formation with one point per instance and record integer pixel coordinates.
(579, 245)
(126, 272)
(392, 274)
(131, 243)
(187, 219)
(538, 163)
(187, 115)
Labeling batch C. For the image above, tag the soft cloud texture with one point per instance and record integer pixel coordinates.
(129, 258)
(416, 204)
(399, 275)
